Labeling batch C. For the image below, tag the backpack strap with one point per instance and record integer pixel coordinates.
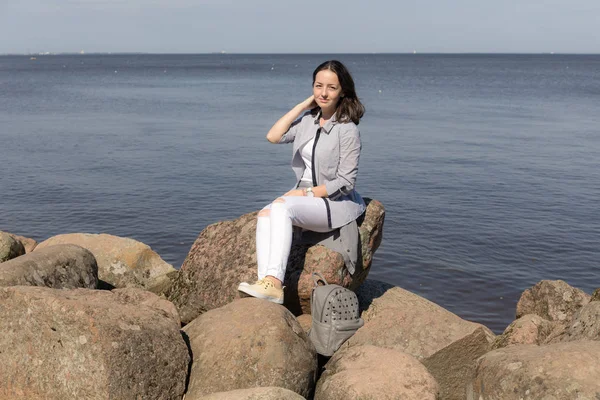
(317, 276)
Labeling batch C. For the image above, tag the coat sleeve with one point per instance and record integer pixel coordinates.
(290, 135)
(350, 147)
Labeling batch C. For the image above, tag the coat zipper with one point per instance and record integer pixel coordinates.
(314, 176)
(312, 158)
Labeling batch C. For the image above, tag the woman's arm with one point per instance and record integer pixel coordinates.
(283, 125)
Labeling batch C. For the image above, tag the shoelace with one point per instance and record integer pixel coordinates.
(266, 283)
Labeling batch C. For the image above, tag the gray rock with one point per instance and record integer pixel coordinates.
(225, 254)
(249, 343)
(552, 300)
(87, 344)
(28, 243)
(122, 262)
(369, 372)
(453, 367)
(59, 267)
(404, 321)
(10, 247)
(561, 371)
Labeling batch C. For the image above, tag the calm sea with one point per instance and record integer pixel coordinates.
(488, 165)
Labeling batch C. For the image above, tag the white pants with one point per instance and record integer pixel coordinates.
(274, 230)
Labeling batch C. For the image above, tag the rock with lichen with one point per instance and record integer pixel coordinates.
(562, 371)
(552, 300)
(225, 254)
(10, 247)
(64, 266)
(88, 344)
(249, 343)
(122, 262)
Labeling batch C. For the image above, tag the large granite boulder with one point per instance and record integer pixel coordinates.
(453, 367)
(87, 344)
(10, 247)
(404, 321)
(122, 262)
(259, 393)
(529, 329)
(561, 371)
(369, 372)
(28, 243)
(64, 266)
(249, 343)
(552, 300)
(225, 254)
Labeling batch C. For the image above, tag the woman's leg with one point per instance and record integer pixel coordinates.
(280, 240)
(263, 240)
(274, 238)
(306, 212)
(309, 213)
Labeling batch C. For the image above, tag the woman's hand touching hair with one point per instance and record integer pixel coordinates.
(309, 103)
(280, 127)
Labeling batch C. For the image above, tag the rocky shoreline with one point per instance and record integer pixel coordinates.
(102, 317)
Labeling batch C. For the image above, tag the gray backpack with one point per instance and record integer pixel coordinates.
(335, 315)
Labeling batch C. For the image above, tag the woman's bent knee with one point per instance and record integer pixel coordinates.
(279, 204)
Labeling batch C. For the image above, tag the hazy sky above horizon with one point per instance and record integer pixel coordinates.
(270, 26)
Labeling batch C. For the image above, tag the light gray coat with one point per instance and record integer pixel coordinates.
(335, 163)
(335, 159)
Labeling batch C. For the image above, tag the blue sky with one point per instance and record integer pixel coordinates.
(279, 26)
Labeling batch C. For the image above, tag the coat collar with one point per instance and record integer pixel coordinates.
(329, 124)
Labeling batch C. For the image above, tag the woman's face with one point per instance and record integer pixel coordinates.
(327, 90)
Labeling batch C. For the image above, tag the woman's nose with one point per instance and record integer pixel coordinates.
(323, 92)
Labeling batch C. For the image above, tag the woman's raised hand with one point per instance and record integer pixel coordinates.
(281, 127)
(309, 103)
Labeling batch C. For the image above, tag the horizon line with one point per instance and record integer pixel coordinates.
(225, 53)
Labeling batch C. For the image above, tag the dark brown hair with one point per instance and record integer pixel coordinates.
(349, 108)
